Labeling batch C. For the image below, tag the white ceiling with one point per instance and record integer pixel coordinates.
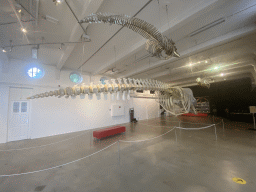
(225, 44)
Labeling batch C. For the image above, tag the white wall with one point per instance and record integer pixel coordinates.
(4, 95)
(145, 108)
(53, 116)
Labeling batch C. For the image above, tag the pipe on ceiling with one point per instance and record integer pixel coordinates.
(57, 43)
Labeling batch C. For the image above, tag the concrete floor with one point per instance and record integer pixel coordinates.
(191, 162)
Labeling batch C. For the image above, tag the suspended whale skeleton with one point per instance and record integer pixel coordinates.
(157, 44)
(204, 82)
(175, 100)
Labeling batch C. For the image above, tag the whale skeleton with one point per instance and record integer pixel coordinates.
(175, 100)
(157, 44)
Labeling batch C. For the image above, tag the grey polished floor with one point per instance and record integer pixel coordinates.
(180, 161)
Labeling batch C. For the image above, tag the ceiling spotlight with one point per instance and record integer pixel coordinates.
(57, 1)
(190, 64)
(206, 61)
(216, 67)
(23, 30)
(4, 50)
(19, 10)
(221, 74)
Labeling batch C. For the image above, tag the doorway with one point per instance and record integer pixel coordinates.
(19, 112)
(18, 121)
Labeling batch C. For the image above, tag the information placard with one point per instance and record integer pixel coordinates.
(252, 109)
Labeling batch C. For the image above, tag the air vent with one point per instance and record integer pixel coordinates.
(208, 26)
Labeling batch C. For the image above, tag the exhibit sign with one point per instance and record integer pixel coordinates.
(252, 109)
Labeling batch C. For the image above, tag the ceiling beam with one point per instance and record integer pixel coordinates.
(233, 77)
(199, 48)
(88, 7)
(176, 77)
(235, 73)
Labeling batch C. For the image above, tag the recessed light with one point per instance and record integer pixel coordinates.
(4, 50)
(221, 74)
(23, 30)
(57, 2)
(19, 10)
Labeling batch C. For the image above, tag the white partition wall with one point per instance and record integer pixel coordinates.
(145, 108)
(53, 116)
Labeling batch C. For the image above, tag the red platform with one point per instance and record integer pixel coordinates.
(198, 114)
(108, 132)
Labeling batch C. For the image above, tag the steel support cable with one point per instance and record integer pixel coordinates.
(44, 145)
(58, 165)
(188, 122)
(95, 153)
(196, 128)
(183, 127)
(82, 157)
(147, 139)
(114, 35)
(27, 11)
(193, 123)
(53, 143)
(75, 16)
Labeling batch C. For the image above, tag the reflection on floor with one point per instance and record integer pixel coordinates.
(182, 160)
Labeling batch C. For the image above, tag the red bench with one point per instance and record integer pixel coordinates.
(108, 132)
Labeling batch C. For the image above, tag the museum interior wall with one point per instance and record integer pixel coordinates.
(53, 116)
